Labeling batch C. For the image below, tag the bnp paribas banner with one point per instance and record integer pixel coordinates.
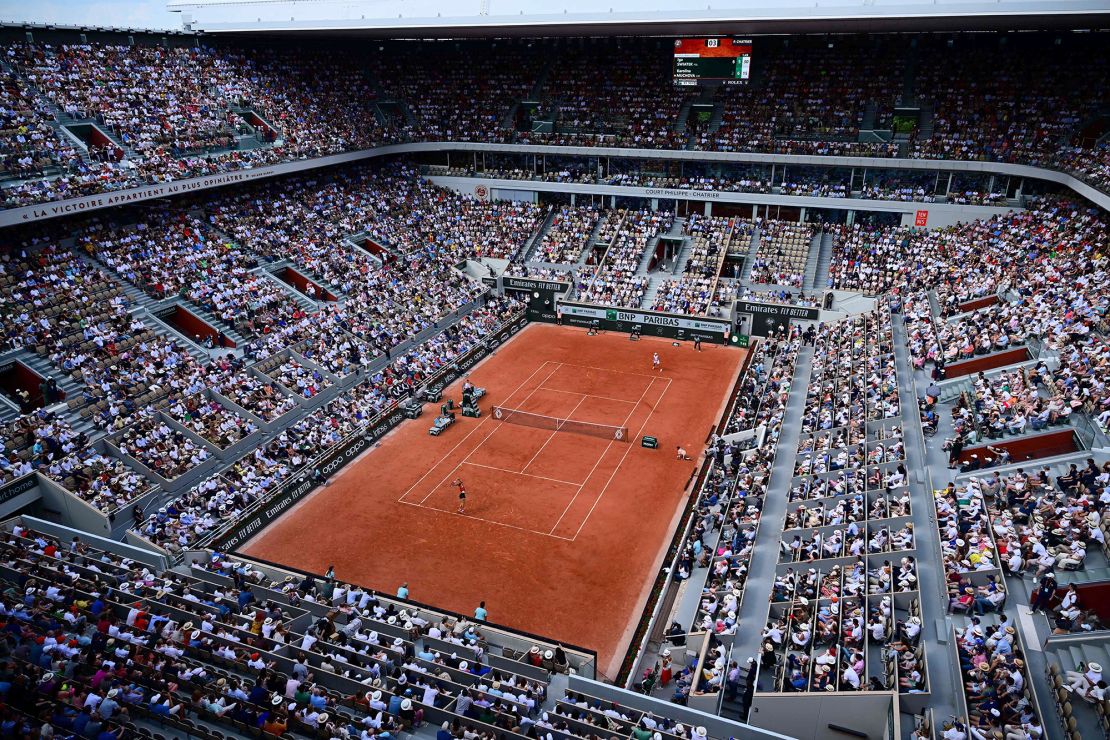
(656, 323)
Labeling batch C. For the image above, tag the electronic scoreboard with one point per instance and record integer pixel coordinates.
(726, 60)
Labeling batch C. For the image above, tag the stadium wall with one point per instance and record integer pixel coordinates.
(938, 214)
(19, 493)
(72, 206)
(649, 323)
(717, 726)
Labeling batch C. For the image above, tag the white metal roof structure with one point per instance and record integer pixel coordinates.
(502, 18)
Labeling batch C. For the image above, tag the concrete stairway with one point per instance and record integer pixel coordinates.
(8, 411)
(683, 116)
(72, 388)
(303, 300)
(653, 286)
(909, 74)
(138, 297)
(819, 280)
(761, 573)
(528, 249)
(925, 130)
(42, 365)
(717, 117)
(812, 259)
(679, 266)
(870, 113)
(215, 322)
(753, 254)
(536, 93)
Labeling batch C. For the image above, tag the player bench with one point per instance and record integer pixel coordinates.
(440, 423)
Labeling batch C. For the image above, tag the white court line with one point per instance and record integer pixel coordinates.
(551, 437)
(526, 475)
(479, 445)
(489, 521)
(625, 456)
(476, 428)
(589, 395)
(606, 452)
(617, 372)
(538, 387)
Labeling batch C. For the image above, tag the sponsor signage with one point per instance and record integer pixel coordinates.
(647, 318)
(17, 487)
(921, 218)
(337, 458)
(295, 488)
(652, 323)
(26, 214)
(779, 311)
(516, 283)
(685, 193)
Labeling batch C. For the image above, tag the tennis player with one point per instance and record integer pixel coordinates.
(656, 364)
(458, 483)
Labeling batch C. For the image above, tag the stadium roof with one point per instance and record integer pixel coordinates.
(425, 19)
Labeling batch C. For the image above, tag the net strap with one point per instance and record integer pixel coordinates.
(558, 424)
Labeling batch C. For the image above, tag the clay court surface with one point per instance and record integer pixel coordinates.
(563, 532)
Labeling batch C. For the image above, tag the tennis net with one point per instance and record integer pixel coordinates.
(556, 424)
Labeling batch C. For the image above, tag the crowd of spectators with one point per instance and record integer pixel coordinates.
(458, 90)
(995, 683)
(221, 500)
(721, 541)
(101, 646)
(29, 145)
(211, 420)
(781, 296)
(625, 235)
(182, 111)
(635, 104)
(159, 447)
(783, 253)
(700, 290)
(190, 114)
(568, 235)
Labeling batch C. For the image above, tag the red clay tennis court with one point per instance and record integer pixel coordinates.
(559, 523)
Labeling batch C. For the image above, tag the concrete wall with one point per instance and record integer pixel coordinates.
(939, 214)
(73, 511)
(809, 715)
(26, 214)
(65, 534)
(19, 493)
(718, 727)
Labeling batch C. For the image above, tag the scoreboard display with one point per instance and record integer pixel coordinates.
(726, 60)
